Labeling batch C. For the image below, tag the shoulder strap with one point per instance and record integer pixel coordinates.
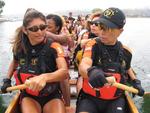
(42, 55)
(46, 47)
(98, 59)
(102, 51)
(121, 54)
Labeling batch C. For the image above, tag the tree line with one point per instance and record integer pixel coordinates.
(2, 4)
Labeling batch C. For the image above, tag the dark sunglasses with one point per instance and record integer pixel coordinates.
(94, 23)
(36, 28)
(104, 27)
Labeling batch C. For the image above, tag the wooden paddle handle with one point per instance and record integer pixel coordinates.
(125, 87)
(18, 87)
(121, 86)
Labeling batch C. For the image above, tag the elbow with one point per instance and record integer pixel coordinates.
(83, 69)
(65, 73)
(80, 69)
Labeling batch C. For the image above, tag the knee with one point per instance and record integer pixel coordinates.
(50, 107)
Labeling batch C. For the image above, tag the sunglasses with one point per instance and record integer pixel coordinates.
(104, 27)
(36, 28)
(94, 23)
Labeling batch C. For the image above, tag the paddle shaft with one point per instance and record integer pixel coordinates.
(18, 87)
(123, 86)
(109, 79)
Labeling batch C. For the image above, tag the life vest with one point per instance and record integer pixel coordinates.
(111, 68)
(79, 57)
(33, 64)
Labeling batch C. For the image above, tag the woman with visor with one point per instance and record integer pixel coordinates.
(103, 57)
(38, 62)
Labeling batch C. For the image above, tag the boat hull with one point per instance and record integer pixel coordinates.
(14, 106)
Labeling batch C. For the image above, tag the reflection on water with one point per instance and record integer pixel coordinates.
(146, 104)
(136, 35)
(2, 107)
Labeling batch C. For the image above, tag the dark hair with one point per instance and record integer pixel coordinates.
(18, 40)
(57, 19)
(31, 14)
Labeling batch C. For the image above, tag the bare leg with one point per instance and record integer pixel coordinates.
(54, 106)
(65, 88)
(79, 84)
(29, 105)
(84, 112)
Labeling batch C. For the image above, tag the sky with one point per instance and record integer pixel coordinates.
(48, 6)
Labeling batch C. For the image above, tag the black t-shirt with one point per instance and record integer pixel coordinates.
(113, 51)
(94, 51)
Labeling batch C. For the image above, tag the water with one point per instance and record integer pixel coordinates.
(136, 35)
(7, 30)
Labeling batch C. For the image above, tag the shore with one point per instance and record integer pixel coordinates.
(10, 18)
(4, 19)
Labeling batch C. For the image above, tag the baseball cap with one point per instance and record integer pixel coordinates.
(113, 18)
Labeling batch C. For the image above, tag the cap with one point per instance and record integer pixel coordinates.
(113, 18)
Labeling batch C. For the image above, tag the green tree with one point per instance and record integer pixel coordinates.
(2, 4)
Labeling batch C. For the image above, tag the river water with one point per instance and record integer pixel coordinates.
(136, 35)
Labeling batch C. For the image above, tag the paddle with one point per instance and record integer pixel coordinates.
(18, 87)
(146, 97)
(110, 80)
(123, 86)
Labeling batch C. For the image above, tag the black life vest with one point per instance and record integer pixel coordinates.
(33, 64)
(111, 67)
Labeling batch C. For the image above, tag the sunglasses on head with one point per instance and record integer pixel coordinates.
(36, 28)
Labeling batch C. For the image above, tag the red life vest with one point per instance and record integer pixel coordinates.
(33, 64)
(24, 77)
(105, 92)
(115, 68)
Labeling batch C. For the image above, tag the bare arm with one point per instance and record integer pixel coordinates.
(84, 42)
(58, 38)
(39, 82)
(84, 65)
(11, 68)
(59, 74)
(131, 74)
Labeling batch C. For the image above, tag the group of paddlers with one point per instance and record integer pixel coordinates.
(45, 47)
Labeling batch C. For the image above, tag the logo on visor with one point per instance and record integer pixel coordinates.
(109, 13)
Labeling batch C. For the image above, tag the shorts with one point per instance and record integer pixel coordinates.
(44, 99)
(91, 104)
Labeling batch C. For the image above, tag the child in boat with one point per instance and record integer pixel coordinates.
(104, 57)
(40, 61)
